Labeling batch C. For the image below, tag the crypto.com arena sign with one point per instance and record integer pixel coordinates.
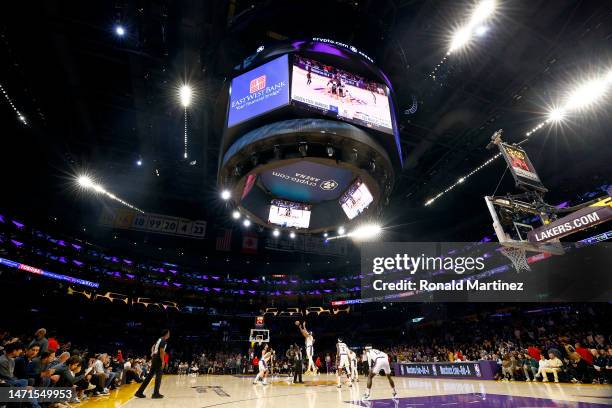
(343, 45)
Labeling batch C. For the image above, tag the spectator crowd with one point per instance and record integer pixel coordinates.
(41, 361)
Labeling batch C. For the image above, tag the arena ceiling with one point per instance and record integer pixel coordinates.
(99, 103)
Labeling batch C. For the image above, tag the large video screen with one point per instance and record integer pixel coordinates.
(289, 214)
(306, 181)
(259, 91)
(341, 94)
(356, 199)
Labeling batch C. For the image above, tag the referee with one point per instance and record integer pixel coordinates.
(297, 365)
(158, 352)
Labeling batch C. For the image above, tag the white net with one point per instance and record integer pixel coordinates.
(518, 257)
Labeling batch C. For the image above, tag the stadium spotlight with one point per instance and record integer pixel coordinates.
(483, 11)
(481, 30)
(185, 94)
(236, 214)
(246, 222)
(139, 162)
(556, 115)
(341, 230)
(460, 38)
(366, 231)
(276, 233)
(85, 181)
(120, 31)
(225, 195)
(587, 94)
(325, 235)
(292, 235)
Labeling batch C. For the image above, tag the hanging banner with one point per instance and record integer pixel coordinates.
(122, 218)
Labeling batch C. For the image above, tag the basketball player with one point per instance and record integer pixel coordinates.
(309, 347)
(378, 362)
(342, 362)
(353, 360)
(266, 356)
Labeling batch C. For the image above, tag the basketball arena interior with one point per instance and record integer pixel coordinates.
(339, 203)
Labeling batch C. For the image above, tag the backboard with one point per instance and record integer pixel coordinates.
(259, 336)
(513, 220)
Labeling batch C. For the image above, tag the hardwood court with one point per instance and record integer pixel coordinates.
(321, 392)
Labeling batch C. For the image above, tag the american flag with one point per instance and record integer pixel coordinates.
(224, 241)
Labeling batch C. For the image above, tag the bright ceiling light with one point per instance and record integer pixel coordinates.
(366, 231)
(325, 234)
(225, 194)
(481, 30)
(586, 94)
(236, 215)
(460, 38)
(185, 94)
(483, 11)
(98, 188)
(276, 233)
(85, 181)
(120, 31)
(292, 235)
(556, 115)
(246, 223)
(341, 230)
(139, 162)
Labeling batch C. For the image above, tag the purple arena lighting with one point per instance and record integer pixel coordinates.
(47, 274)
(17, 243)
(18, 224)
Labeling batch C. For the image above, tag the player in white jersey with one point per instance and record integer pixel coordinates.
(342, 362)
(309, 340)
(264, 362)
(353, 360)
(378, 362)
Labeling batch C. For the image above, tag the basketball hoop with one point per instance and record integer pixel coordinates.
(518, 257)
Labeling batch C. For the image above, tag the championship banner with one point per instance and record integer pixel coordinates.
(584, 218)
(521, 168)
(122, 218)
(307, 244)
